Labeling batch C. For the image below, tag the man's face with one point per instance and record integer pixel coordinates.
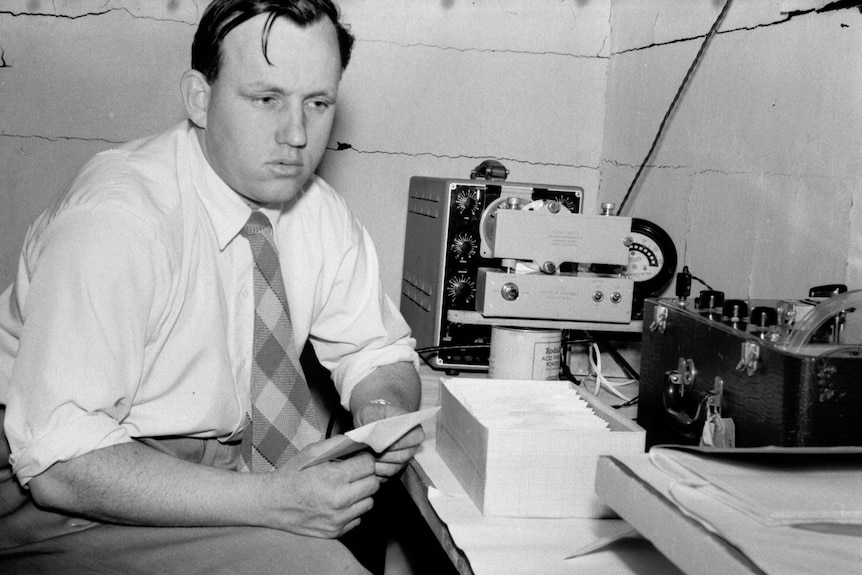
(267, 125)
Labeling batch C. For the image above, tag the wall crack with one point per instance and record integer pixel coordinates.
(657, 166)
(701, 36)
(341, 146)
(787, 17)
(60, 138)
(91, 14)
(479, 50)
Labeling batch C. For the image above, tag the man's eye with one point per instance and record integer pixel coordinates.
(319, 105)
(265, 101)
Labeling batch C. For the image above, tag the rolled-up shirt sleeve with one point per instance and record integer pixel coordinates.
(87, 298)
(373, 332)
(355, 326)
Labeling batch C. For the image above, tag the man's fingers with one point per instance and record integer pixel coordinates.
(356, 467)
(386, 470)
(411, 439)
(365, 486)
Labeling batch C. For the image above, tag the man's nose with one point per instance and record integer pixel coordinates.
(291, 128)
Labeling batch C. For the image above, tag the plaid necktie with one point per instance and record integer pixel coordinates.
(283, 418)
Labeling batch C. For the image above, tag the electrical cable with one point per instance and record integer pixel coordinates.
(452, 347)
(605, 345)
(679, 90)
(706, 285)
(622, 362)
(595, 358)
(683, 283)
(422, 352)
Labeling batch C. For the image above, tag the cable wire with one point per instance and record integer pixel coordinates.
(424, 351)
(679, 90)
(595, 358)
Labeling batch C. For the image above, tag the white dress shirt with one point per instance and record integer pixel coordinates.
(132, 311)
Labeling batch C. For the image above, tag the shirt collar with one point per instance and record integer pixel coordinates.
(226, 210)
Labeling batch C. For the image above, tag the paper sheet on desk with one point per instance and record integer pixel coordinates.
(793, 530)
(776, 486)
(505, 545)
(378, 435)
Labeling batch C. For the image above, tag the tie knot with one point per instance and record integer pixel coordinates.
(257, 223)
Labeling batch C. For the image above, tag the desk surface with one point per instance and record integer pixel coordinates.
(477, 545)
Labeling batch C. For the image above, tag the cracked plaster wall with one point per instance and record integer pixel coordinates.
(433, 88)
(757, 177)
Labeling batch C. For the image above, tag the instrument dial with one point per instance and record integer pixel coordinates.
(467, 201)
(567, 202)
(645, 259)
(652, 258)
(464, 246)
(461, 289)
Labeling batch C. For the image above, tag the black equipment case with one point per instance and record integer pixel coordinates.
(775, 397)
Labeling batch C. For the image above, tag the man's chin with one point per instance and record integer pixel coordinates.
(272, 195)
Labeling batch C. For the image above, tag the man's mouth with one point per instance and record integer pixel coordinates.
(286, 168)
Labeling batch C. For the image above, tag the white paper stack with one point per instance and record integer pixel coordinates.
(529, 448)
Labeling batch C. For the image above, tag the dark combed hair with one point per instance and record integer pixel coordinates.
(222, 16)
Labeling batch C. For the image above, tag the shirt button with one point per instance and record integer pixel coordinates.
(244, 293)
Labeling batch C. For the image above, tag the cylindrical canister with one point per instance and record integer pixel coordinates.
(524, 353)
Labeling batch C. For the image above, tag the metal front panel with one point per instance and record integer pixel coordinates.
(442, 258)
(588, 297)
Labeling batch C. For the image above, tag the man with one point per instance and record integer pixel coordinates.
(126, 350)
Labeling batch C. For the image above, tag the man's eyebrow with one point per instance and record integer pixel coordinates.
(321, 93)
(263, 87)
(272, 88)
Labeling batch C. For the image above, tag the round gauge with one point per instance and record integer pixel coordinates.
(652, 259)
(567, 202)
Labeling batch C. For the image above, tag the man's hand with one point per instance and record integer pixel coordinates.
(393, 460)
(389, 391)
(324, 500)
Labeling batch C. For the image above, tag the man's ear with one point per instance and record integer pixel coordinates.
(196, 97)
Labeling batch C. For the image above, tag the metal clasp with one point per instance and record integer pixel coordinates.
(686, 369)
(750, 355)
(659, 323)
(713, 401)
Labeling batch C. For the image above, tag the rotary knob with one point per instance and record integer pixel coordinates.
(461, 289)
(467, 201)
(464, 247)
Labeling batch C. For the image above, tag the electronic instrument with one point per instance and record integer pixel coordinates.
(442, 258)
(519, 250)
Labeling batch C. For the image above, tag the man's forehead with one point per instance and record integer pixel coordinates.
(314, 46)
